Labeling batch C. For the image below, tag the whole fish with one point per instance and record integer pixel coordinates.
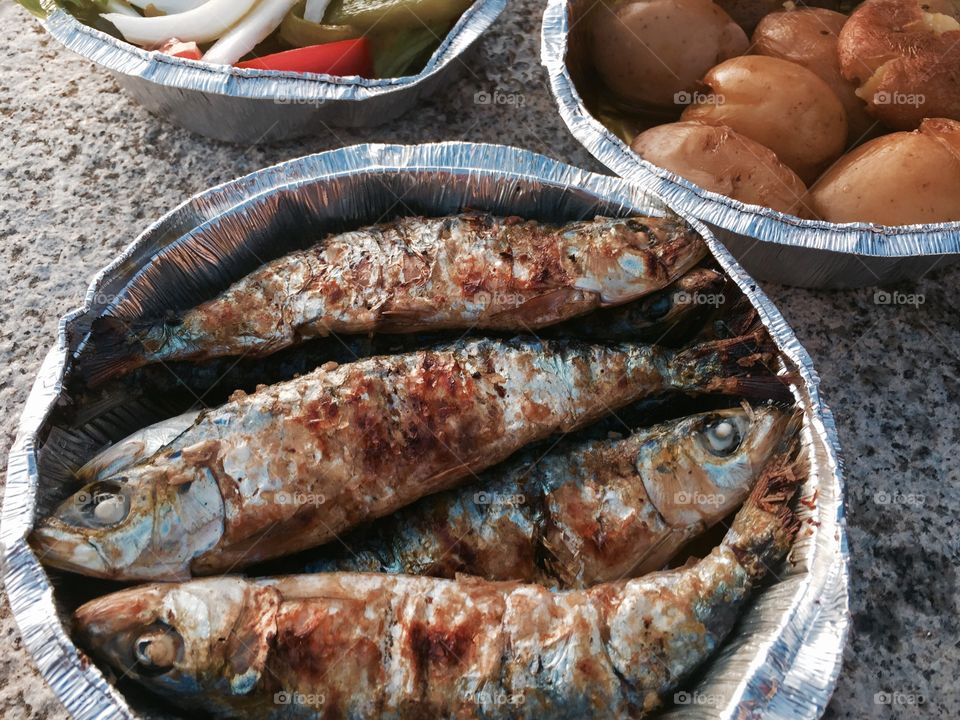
(665, 317)
(292, 465)
(410, 275)
(355, 645)
(588, 513)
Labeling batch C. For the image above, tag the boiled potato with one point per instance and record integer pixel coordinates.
(748, 13)
(808, 37)
(652, 52)
(778, 104)
(905, 58)
(899, 179)
(717, 158)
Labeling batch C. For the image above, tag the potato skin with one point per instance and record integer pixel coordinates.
(648, 51)
(778, 104)
(904, 178)
(748, 13)
(905, 70)
(808, 37)
(717, 158)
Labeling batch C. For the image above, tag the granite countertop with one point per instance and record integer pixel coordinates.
(84, 169)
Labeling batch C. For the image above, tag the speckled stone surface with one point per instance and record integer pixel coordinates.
(84, 170)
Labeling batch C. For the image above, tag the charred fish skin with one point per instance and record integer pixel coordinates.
(665, 317)
(294, 464)
(669, 317)
(367, 645)
(410, 275)
(580, 514)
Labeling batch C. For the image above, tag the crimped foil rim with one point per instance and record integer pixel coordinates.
(801, 658)
(122, 57)
(865, 239)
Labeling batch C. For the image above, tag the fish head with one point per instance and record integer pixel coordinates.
(633, 257)
(699, 469)
(202, 639)
(138, 526)
(136, 448)
(691, 295)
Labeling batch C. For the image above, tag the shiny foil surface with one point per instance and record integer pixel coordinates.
(254, 106)
(783, 658)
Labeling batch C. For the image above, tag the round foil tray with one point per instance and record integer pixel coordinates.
(783, 658)
(770, 245)
(253, 106)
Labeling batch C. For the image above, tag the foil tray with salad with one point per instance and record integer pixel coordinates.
(365, 38)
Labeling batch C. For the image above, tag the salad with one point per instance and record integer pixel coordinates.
(365, 38)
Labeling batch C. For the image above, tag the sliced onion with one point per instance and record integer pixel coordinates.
(315, 10)
(202, 24)
(168, 7)
(249, 32)
(123, 8)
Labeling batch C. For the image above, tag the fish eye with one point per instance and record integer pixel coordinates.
(721, 436)
(659, 307)
(102, 504)
(157, 650)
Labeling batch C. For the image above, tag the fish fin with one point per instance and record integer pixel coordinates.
(531, 312)
(746, 365)
(114, 349)
(765, 527)
(444, 477)
(399, 313)
(674, 536)
(738, 320)
(62, 453)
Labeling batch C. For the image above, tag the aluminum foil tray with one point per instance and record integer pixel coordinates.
(782, 660)
(769, 244)
(253, 106)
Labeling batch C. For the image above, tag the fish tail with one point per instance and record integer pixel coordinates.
(115, 348)
(740, 319)
(765, 527)
(745, 365)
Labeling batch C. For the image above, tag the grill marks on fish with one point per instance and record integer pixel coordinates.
(301, 461)
(411, 647)
(415, 424)
(411, 275)
(580, 513)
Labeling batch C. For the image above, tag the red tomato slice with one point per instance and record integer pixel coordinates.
(188, 50)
